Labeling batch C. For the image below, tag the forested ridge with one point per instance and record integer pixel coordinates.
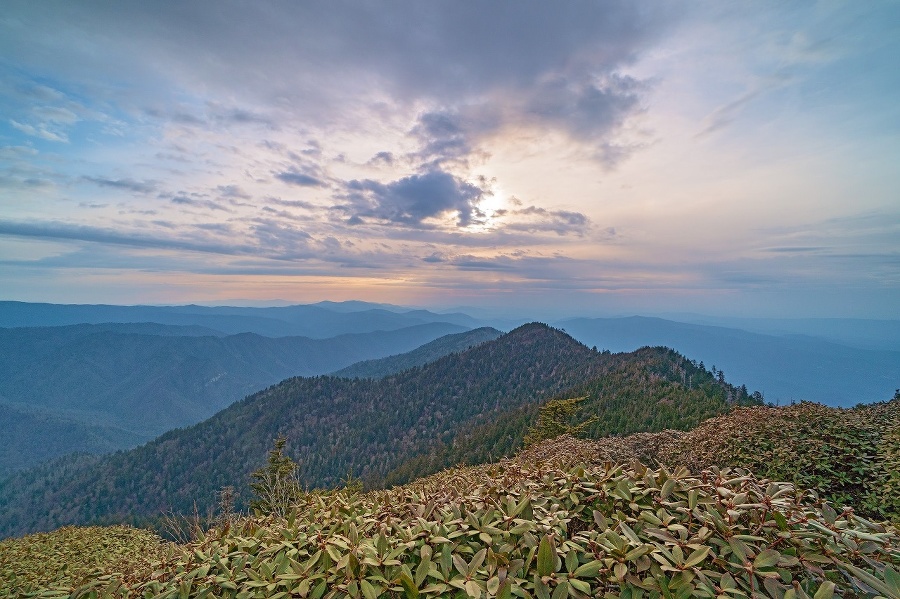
(479, 403)
(98, 388)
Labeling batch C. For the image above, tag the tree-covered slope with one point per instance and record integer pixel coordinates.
(651, 389)
(334, 425)
(31, 436)
(138, 381)
(440, 347)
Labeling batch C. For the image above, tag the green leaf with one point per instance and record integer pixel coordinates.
(766, 559)
(368, 590)
(826, 590)
(318, 591)
(698, 556)
(892, 579)
(561, 590)
(476, 562)
(540, 588)
(460, 564)
(580, 585)
(780, 520)
(546, 558)
(589, 570)
(412, 591)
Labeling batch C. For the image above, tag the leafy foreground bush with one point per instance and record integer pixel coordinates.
(52, 564)
(532, 530)
(850, 456)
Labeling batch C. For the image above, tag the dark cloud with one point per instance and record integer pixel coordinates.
(66, 231)
(185, 200)
(385, 158)
(126, 184)
(535, 219)
(282, 240)
(473, 263)
(590, 109)
(411, 200)
(443, 136)
(233, 191)
(796, 249)
(544, 64)
(243, 116)
(299, 179)
(285, 214)
(435, 258)
(292, 203)
(212, 115)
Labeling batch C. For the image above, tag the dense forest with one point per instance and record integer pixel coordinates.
(478, 403)
(98, 388)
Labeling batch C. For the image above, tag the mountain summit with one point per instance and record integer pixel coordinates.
(467, 407)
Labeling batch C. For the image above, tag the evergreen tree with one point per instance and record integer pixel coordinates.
(555, 419)
(276, 485)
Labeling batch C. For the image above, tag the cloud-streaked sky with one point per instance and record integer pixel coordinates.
(583, 157)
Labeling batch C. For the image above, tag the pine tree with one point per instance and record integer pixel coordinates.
(555, 419)
(277, 484)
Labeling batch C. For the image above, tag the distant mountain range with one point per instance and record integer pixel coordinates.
(440, 347)
(465, 406)
(320, 321)
(99, 388)
(784, 367)
(96, 378)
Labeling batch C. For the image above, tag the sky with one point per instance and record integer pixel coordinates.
(580, 158)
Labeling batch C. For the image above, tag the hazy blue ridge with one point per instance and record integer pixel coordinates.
(314, 321)
(784, 368)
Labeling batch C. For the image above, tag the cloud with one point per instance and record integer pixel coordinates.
(413, 199)
(16, 152)
(185, 200)
(435, 258)
(66, 231)
(796, 249)
(590, 108)
(382, 158)
(292, 203)
(535, 219)
(476, 263)
(126, 184)
(55, 114)
(299, 179)
(444, 137)
(233, 191)
(40, 131)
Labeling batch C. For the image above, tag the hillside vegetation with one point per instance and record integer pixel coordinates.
(562, 519)
(469, 407)
(850, 456)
